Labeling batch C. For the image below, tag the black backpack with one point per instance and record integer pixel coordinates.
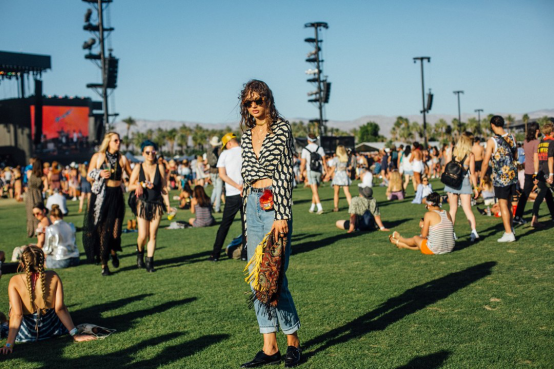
(315, 160)
(453, 175)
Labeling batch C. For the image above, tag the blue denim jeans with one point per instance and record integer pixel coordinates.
(259, 223)
(60, 264)
(216, 193)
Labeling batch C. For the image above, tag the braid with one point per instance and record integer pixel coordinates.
(28, 272)
(42, 276)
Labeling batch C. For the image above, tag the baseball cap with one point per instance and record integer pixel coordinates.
(228, 137)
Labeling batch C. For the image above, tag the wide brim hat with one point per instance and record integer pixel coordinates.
(215, 141)
(366, 192)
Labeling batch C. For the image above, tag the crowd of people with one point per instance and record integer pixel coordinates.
(255, 177)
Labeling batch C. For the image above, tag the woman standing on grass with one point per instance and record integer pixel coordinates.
(37, 305)
(267, 150)
(341, 178)
(463, 154)
(417, 164)
(104, 218)
(530, 146)
(148, 180)
(85, 187)
(36, 184)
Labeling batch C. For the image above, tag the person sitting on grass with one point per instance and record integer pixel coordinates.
(41, 214)
(202, 207)
(437, 234)
(185, 196)
(487, 193)
(395, 190)
(364, 213)
(60, 246)
(37, 305)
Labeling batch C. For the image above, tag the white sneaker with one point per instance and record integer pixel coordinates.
(507, 237)
(312, 210)
(320, 211)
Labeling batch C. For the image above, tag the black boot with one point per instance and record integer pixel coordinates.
(106, 271)
(140, 259)
(115, 261)
(150, 264)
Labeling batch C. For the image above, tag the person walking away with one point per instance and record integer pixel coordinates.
(37, 184)
(478, 152)
(530, 147)
(407, 168)
(501, 152)
(341, 177)
(213, 156)
(313, 160)
(463, 154)
(230, 165)
(545, 173)
(267, 149)
(417, 164)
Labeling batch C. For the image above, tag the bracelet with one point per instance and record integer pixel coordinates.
(8, 345)
(551, 174)
(73, 332)
(381, 228)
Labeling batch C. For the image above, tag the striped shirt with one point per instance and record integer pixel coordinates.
(441, 235)
(204, 216)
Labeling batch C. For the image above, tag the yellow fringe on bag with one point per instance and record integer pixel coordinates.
(256, 261)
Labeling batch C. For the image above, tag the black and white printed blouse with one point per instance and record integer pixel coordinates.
(275, 162)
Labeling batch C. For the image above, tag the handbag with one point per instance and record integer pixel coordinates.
(133, 201)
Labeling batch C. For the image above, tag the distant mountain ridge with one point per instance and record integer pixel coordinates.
(385, 122)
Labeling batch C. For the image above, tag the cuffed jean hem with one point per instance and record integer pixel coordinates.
(291, 330)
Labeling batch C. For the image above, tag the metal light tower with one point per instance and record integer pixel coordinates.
(459, 115)
(424, 108)
(108, 63)
(323, 88)
(479, 111)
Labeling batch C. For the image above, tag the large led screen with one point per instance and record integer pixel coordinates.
(59, 121)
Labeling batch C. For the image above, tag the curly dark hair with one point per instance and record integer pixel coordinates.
(260, 88)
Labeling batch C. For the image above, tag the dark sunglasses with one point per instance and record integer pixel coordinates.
(36, 214)
(150, 152)
(248, 103)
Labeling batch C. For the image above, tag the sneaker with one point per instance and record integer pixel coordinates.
(519, 221)
(473, 237)
(312, 210)
(455, 237)
(507, 237)
(319, 212)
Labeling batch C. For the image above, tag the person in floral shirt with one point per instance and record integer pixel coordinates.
(502, 153)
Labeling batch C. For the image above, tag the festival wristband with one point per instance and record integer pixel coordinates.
(73, 332)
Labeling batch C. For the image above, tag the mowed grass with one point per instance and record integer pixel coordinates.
(362, 302)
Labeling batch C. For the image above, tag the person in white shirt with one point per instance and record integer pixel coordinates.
(314, 170)
(60, 248)
(58, 199)
(229, 165)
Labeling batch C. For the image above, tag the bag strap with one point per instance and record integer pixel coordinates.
(512, 149)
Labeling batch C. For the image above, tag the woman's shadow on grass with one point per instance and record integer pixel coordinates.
(430, 361)
(397, 308)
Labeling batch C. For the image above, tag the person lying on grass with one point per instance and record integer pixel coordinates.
(364, 213)
(37, 304)
(437, 231)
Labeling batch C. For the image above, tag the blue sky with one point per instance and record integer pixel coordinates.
(187, 60)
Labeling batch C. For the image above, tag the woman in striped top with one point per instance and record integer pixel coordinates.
(202, 207)
(437, 234)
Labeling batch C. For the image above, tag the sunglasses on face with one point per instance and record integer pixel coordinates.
(150, 152)
(248, 103)
(116, 140)
(36, 214)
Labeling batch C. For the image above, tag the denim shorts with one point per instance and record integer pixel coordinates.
(259, 223)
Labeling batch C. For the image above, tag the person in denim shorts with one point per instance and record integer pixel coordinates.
(267, 160)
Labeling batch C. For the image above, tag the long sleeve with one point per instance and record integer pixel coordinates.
(283, 178)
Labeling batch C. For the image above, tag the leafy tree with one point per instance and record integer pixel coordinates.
(369, 132)
(509, 120)
(171, 137)
(473, 126)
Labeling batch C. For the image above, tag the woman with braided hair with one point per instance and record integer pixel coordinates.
(104, 218)
(37, 309)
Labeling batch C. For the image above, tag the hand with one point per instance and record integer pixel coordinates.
(240, 189)
(105, 174)
(83, 338)
(384, 229)
(476, 194)
(351, 230)
(536, 182)
(6, 350)
(139, 191)
(550, 179)
(149, 185)
(280, 229)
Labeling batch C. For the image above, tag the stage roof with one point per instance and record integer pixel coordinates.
(24, 63)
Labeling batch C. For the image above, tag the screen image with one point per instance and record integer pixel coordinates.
(59, 121)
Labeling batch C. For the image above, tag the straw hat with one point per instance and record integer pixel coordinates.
(215, 141)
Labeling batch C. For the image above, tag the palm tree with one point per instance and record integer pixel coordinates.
(440, 128)
(138, 138)
(417, 129)
(509, 120)
(198, 136)
(543, 120)
(171, 137)
(525, 119)
(129, 122)
(394, 133)
(160, 138)
(473, 126)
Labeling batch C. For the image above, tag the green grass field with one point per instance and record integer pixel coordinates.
(362, 302)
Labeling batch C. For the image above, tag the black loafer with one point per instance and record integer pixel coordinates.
(292, 359)
(262, 359)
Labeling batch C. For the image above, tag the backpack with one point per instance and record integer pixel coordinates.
(315, 160)
(453, 175)
(212, 160)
